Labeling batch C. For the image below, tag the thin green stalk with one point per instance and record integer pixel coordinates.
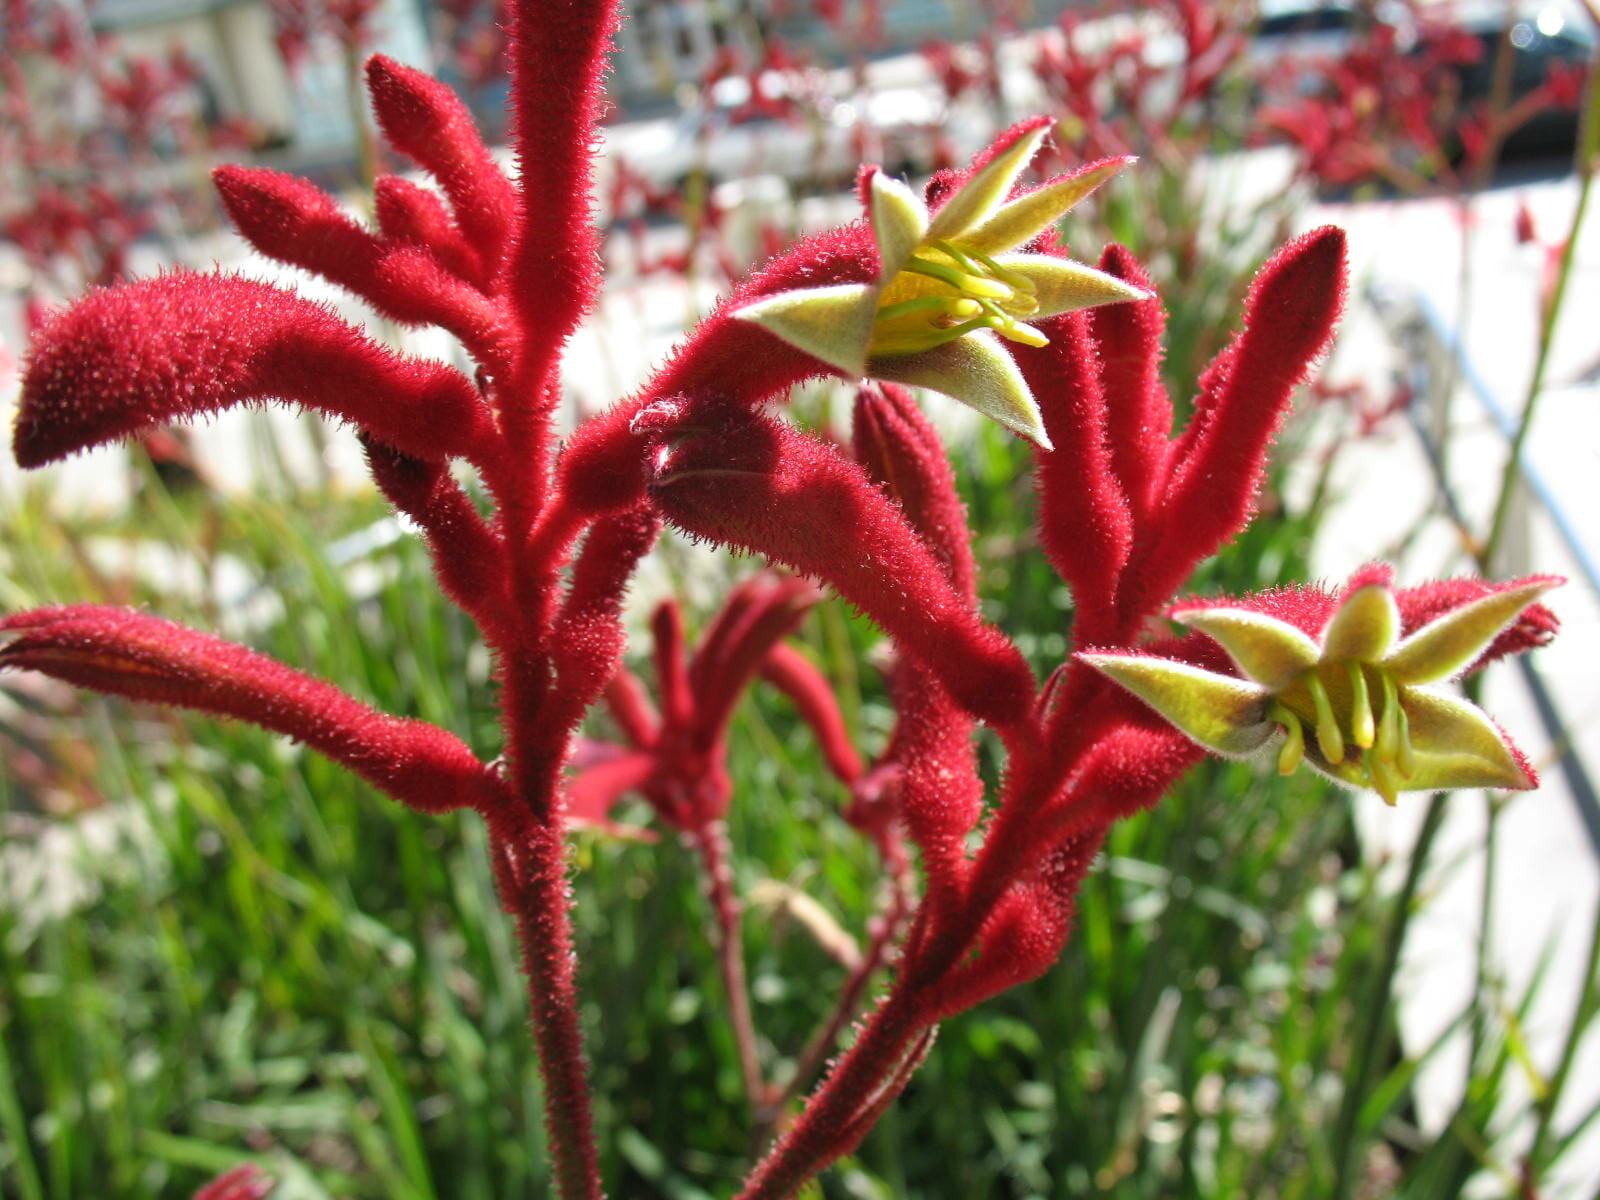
(1583, 1013)
(1373, 1012)
(1587, 159)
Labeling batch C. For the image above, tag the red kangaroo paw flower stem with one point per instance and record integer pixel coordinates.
(540, 898)
(711, 843)
(829, 1125)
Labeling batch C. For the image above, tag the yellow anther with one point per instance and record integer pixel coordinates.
(1026, 334)
(1362, 731)
(1329, 738)
(1294, 744)
(1405, 755)
(1381, 776)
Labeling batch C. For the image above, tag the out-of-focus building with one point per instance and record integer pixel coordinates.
(663, 43)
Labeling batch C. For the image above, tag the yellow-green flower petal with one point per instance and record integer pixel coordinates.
(1456, 745)
(1026, 217)
(1061, 285)
(1269, 651)
(976, 371)
(899, 223)
(1444, 646)
(975, 201)
(1364, 627)
(1223, 714)
(832, 323)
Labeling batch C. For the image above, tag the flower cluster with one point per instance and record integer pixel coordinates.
(965, 289)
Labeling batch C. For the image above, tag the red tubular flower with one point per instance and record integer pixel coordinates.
(558, 54)
(131, 654)
(902, 452)
(1083, 514)
(793, 674)
(242, 1183)
(1216, 466)
(409, 213)
(757, 484)
(426, 121)
(469, 558)
(678, 760)
(181, 345)
(297, 223)
(1138, 413)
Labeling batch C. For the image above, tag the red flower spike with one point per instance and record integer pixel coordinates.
(1289, 320)
(1083, 514)
(1024, 935)
(558, 54)
(409, 213)
(684, 775)
(182, 345)
(426, 121)
(469, 558)
(902, 452)
(130, 654)
(756, 484)
(793, 674)
(1137, 411)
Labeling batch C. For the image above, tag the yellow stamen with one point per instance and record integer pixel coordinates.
(969, 285)
(1294, 745)
(1329, 739)
(1362, 732)
(1382, 779)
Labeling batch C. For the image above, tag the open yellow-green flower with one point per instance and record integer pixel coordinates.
(949, 284)
(1352, 702)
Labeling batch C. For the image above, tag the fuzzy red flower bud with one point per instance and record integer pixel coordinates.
(1137, 411)
(182, 345)
(1289, 319)
(131, 654)
(756, 484)
(1083, 515)
(426, 121)
(293, 221)
(902, 452)
(407, 212)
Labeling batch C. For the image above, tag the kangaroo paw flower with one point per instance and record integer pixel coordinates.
(951, 285)
(1347, 694)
